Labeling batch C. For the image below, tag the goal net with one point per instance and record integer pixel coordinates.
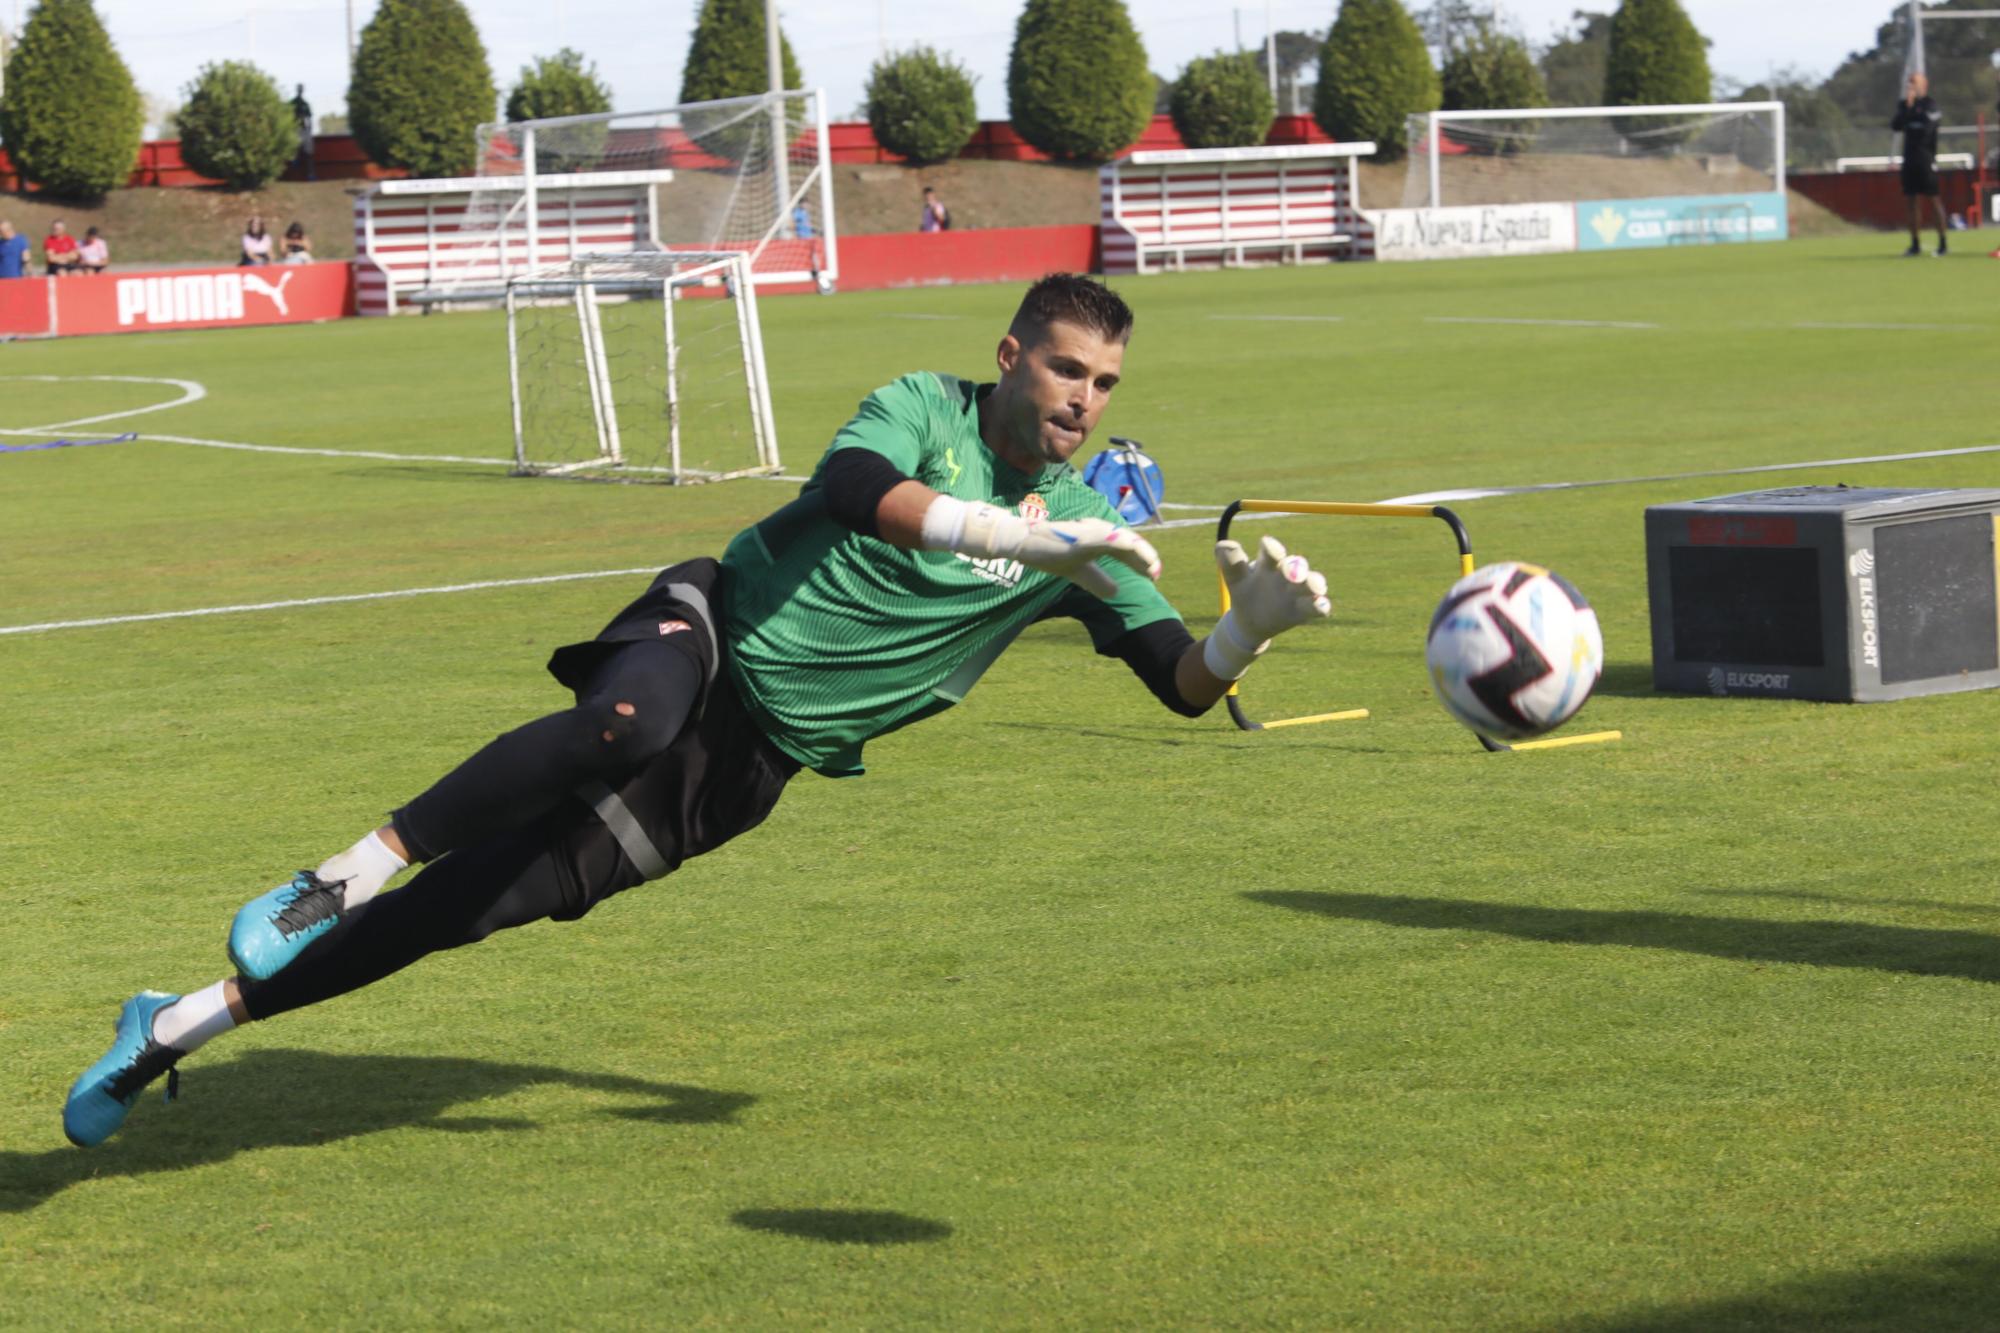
(747, 174)
(648, 365)
(1577, 154)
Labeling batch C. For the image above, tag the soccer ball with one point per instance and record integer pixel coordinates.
(1513, 651)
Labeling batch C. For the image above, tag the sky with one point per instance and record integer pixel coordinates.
(638, 49)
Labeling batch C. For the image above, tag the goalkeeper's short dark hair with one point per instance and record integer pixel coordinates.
(1072, 299)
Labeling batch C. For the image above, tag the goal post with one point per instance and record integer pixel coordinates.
(746, 173)
(1574, 154)
(647, 365)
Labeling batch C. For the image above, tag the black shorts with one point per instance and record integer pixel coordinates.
(720, 778)
(1919, 178)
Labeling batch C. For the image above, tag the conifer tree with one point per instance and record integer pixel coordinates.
(1656, 58)
(422, 88)
(1374, 74)
(71, 116)
(1078, 86)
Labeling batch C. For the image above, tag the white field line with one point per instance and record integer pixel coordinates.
(1285, 319)
(191, 392)
(1541, 323)
(1890, 328)
(322, 601)
(1204, 520)
(377, 455)
(1439, 497)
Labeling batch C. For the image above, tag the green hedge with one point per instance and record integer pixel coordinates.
(1374, 74)
(422, 88)
(1077, 83)
(1222, 101)
(1488, 70)
(920, 105)
(71, 117)
(562, 85)
(236, 127)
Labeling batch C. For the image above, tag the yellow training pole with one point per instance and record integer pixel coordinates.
(1588, 738)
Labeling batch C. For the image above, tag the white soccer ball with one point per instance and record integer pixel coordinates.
(1513, 651)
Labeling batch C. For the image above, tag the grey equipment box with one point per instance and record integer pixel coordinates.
(1826, 592)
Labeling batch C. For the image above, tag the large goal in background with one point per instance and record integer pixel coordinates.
(747, 174)
(1579, 154)
(643, 365)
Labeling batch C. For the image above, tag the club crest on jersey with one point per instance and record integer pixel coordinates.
(1033, 507)
(674, 627)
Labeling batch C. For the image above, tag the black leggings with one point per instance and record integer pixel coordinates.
(628, 711)
(556, 868)
(511, 843)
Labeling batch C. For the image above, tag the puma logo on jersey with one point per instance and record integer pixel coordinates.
(1007, 573)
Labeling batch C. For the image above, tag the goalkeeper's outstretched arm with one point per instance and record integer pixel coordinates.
(865, 492)
(1268, 596)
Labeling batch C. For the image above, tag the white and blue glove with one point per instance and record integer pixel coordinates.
(1067, 548)
(1267, 596)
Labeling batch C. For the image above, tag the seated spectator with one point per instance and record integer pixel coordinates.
(298, 246)
(94, 255)
(59, 249)
(13, 251)
(256, 243)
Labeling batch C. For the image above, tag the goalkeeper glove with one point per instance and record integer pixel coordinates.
(1069, 548)
(1267, 596)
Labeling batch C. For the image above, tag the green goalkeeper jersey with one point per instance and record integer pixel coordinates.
(836, 638)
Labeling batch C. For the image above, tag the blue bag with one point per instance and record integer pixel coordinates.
(1130, 480)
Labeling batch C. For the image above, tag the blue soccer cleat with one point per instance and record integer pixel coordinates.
(100, 1099)
(272, 930)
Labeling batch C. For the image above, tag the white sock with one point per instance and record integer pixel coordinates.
(191, 1020)
(366, 866)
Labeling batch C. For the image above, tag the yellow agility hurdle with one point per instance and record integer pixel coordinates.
(1465, 566)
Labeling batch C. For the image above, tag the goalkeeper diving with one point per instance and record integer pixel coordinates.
(943, 520)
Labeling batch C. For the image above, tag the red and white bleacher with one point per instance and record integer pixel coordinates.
(429, 240)
(1217, 207)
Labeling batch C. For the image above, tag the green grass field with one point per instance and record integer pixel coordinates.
(1072, 1013)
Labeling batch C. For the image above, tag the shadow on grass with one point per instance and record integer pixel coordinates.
(1627, 680)
(285, 1099)
(1859, 900)
(842, 1226)
(1952, 1290)
(1928, 953)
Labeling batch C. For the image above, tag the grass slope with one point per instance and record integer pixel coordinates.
(1071, 1013)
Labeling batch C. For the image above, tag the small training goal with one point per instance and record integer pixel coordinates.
(646, 365)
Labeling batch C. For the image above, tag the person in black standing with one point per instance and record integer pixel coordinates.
(1917, 117)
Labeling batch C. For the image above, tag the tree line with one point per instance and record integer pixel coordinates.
(1079, 85)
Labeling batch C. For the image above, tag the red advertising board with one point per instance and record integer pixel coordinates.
(205, 298)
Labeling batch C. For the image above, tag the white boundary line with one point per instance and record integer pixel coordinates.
(323, 601)
(1891, 328)
(191, 392)
(1437, 497)
(1541, 323)
(1429, 497)
(1285, 319)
